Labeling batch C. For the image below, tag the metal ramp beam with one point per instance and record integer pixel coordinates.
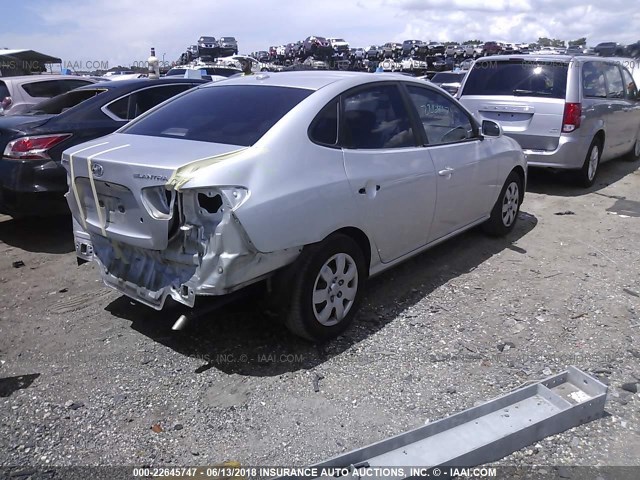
(487, 432)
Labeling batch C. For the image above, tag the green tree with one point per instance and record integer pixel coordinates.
(578, 42)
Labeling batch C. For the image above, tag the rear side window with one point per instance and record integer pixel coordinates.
(376, 117)
(615, 87)
(234, 114)
(593, 82)
(518, 77)
(4, 90)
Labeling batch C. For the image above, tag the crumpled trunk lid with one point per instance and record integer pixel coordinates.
(118, 185)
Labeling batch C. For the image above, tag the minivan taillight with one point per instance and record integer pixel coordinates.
(5, 103)
(571, 118)
(33, 148)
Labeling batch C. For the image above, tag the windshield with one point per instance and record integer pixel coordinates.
(518, 77)
(175, 71)
(234, 114)
(61, 103)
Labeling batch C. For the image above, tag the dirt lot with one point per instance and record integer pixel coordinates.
(98, 372)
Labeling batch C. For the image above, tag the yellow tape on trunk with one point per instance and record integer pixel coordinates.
(74, 187)
(187, 172)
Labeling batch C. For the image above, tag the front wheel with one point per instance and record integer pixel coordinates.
(505, 211)
(587, 174)
(327, 288)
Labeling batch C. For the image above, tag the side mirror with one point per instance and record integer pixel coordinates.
(491, 128)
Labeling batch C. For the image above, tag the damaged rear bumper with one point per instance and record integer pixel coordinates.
(208, 253)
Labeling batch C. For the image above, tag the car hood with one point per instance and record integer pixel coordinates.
(20, 122)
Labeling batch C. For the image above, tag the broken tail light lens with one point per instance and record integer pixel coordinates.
(34, 147)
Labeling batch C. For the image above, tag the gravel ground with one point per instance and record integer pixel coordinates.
(104, 381)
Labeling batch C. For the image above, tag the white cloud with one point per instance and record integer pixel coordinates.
(121, 31)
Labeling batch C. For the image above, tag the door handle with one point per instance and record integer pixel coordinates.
(446, 172)
(363, 190)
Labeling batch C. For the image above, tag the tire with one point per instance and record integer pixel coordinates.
(634, 154)
(316, 322)
(587, 174)
(505, 211)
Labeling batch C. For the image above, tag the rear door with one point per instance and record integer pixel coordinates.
(526, 97)
(391, 175)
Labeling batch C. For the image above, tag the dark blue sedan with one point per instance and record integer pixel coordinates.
(32, 180)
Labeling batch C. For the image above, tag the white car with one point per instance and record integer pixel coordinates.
(18, 94)
(453, 50)
(313, 181)
(473, 51)
(338, 44)
(410, 64)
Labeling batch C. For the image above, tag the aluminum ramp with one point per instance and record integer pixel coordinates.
(487, 432)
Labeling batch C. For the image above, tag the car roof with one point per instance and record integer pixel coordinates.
(552, 58)
(307, 79)
(36, 78)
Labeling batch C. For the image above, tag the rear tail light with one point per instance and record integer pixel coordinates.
(33, 148)
(571, 118)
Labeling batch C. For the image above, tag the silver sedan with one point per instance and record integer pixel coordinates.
(312, 180)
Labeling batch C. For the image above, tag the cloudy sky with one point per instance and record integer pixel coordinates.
(122, 31)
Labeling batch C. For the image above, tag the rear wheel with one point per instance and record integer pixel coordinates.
(587, 174)
(327, 288)
(505, 211)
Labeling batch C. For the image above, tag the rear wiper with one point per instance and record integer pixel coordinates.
(518, 91)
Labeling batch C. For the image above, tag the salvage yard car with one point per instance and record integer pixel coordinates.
(567, 112)
(313, 180)
(18, 94)
(32, 180)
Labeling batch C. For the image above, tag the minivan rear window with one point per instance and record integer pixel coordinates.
(518, 77)
(233, 114)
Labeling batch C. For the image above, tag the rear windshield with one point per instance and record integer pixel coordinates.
(518, 77)
(448, 77)
(64, 102)
(4, 91)
(234, 114)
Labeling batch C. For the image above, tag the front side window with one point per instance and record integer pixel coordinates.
(593, 82)
(629, 85)
(229, 114)
(375, 117)
(615, 87)
(443, 121)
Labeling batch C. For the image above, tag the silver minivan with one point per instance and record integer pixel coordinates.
(566, 112)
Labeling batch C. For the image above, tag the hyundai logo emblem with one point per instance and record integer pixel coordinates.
(97, 170)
